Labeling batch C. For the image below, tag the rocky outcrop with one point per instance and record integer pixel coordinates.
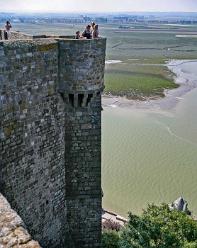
(12, 229)
(181, 205)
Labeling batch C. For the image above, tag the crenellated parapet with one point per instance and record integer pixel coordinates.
(50, 136)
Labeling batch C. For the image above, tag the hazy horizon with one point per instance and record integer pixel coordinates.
(98, 12)
(109, 6)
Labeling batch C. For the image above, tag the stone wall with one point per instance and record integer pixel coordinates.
(81, 66)
(32, 171)
(14, 35)
(50, 137)
(13, 232)
(83, 173)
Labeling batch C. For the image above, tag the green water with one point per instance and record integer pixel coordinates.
(149, 156)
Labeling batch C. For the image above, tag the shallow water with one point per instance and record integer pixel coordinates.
(150, 155)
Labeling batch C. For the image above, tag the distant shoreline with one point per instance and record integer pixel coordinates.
(187, 81)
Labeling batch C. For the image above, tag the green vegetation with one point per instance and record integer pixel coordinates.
(137, 86)
(158, 227)
(138, 78)
(143, 54)
(143, 50)
(110, 239)
(145, 44)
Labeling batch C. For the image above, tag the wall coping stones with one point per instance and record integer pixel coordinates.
(17, 35)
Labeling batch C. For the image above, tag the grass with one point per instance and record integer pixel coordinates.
(139, 79)
(146, 76)
(136, 86)
(134, 78)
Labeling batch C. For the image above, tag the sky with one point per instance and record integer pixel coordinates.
(98, 6)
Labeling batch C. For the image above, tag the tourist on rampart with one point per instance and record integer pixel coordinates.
(93, 24)
(95, 33)
(78, 36)
(8, 26)
(87, 32)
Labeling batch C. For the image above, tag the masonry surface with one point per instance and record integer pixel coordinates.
(12, 229)
(50, 136)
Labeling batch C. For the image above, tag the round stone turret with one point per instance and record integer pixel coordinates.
(81, 70)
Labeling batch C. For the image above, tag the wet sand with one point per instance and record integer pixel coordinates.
(185, 75)
(149, 148)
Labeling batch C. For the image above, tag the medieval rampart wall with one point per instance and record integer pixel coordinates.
(50, 137)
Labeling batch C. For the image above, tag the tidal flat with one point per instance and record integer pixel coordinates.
(149, 148)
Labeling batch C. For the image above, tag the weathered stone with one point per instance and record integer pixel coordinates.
(50, 138)
(12, 231)
(30, 244)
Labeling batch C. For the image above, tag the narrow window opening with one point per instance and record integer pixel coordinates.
(89, 99)
(80, 99)
(71, 99)
(62, 95)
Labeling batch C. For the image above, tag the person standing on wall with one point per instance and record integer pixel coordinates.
(95, 33)
(93, 26)
(8, 26)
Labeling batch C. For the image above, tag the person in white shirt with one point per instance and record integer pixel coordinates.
(95, 33)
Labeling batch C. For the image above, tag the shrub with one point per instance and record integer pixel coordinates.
(110, 239)
(190, 245)
(157, 227)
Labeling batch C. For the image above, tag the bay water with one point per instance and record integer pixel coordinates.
(149, 155)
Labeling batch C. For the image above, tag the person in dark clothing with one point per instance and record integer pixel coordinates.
(8, 26)
(87, 33)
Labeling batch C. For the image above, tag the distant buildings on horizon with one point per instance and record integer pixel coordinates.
(111, 18)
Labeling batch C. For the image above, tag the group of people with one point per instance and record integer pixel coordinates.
(91, 32)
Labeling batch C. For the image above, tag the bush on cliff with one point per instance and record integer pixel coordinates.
(158, 227)
(110, 239)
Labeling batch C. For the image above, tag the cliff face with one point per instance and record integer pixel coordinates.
(50, 137)
(12, 229)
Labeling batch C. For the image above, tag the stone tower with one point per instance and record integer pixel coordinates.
(50, 136)
(81, 84)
